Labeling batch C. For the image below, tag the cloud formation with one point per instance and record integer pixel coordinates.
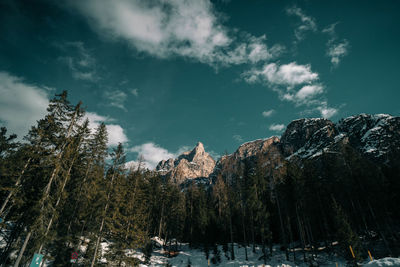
(309, 91)
(151, 154)
(288, 74)
(116, 99)
(81, 63)
(277, 127)
(116, 133)
(294, 83)
(167, 28)
(135, 92)
(307, 23)
(21, 104)
(326, 111)
(335, 49)
(268, 113)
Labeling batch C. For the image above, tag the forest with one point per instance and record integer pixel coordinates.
(63, 189)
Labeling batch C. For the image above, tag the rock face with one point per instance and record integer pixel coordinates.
(191, 164)
(367, 139)
(245, 156)
(375, 137)
(307, 133)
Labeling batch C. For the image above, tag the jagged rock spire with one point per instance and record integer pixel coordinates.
(191, 164)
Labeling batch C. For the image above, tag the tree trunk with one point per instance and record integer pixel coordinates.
(57, 203)
(252, 232)
(89, 167)
(102, 222)
(15, 187)
(244, 237)
(291, 238)
(53, 175)
(98, 242)
(301, 232)
(282, 227)
(231, 233)
(21, 252)
(161, 220)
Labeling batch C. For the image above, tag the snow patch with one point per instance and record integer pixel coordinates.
(384, 262)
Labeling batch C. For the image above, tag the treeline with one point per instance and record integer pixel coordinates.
(63, 192)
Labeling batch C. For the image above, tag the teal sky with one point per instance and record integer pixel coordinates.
(166, 74)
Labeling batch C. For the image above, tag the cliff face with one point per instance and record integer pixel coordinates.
(191, 164)
(231, 166)
(371, 140)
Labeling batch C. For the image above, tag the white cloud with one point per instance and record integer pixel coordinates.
(331, 30)
(237, 138)
(336, 50)
(327, 112)
(287, 74)
(115, 132)
(152, 154)
(268, 113)
(21, 104)
(294, 83)
(307, 23)
(135, 92)
(309, 91)
(116, 99)
(183, 149)
(277, 127)
(165, 28)
(82, 65)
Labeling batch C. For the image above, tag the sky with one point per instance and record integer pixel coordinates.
(165, 74)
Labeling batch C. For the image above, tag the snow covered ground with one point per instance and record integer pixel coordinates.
(384, 262)
(197, 258)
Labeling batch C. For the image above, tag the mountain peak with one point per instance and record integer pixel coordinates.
(192, 164)
(198, 151)
(199, 146)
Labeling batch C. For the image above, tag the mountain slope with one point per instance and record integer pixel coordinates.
(189, 165)
(373, 138)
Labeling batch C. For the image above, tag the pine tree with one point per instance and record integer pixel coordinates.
(118, 160)
(345, 234)
(53, 133)
(8, 184)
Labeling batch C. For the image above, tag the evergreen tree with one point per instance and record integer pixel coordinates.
(345, 234)
(118, 160)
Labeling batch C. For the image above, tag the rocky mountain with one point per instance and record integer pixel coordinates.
(376, 137)
(189, 165)
(230, 166)
(372, 139)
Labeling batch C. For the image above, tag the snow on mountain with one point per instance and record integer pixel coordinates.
(372, 135)
(375, 137)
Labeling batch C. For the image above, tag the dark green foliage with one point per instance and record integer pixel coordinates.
(59, 189)
(345, 235)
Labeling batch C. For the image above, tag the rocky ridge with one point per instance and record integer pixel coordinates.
(374, 138)
(191, 164)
